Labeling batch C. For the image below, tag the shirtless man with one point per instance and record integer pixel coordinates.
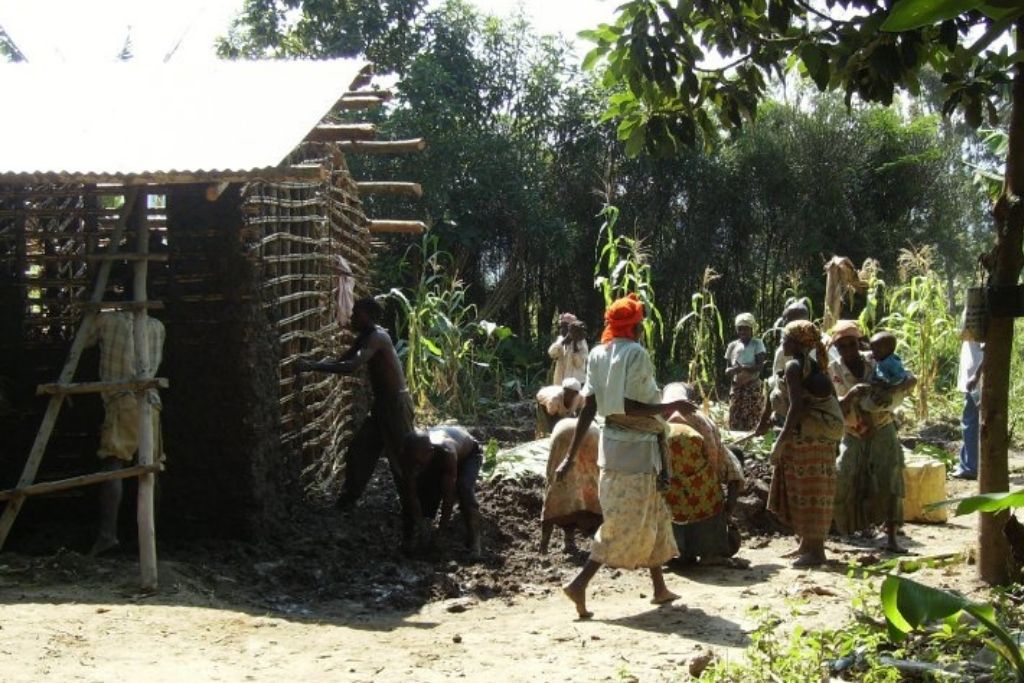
(390, 418)
(438, 466)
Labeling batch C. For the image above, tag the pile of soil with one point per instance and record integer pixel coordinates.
(324, 557)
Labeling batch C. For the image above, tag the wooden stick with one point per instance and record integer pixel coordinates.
(383, 146)
(360, 102)
(408, 227)
(79, 256)
(48, 283)
(367, 92)
(97, 306)
(328, 132)
(35, 456)
(75, 388)
(390, 188)
(75, 482)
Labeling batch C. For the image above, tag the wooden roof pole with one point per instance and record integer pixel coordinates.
(383, 146)
(35, 456)
(390, 188)
(335, 132)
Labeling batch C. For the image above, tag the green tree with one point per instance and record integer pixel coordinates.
(658, 55)
(384, 31)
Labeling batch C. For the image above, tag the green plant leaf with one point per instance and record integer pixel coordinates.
(907, 15)
(908, 604)
(989, 502)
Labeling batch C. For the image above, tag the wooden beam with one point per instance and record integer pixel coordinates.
(334, 132)
(390, 188)
(116, 256)
(406, 227)
(370, 92)
(97, 305)
(359, 102)
(75, 482)
(70, 388)
(383, 146)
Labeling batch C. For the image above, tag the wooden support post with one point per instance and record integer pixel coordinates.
(147, 481)
(408, 227)
(35, 456)
(390, 188)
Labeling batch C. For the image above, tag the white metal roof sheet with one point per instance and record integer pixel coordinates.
(128, 118)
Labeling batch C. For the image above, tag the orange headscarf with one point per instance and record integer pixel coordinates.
(621, 318)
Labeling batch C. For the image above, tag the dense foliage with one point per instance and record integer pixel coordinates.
(521, 162)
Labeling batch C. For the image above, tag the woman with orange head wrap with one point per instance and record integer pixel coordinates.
(804, 479)
(637, 527)
(622, 319)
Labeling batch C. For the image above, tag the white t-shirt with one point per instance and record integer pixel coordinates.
(616, 371)
(971, 354)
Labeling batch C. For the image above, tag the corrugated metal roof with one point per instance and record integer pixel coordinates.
(154, 121)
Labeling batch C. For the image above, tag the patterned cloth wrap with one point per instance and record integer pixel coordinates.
(694, 492)
(637, 527)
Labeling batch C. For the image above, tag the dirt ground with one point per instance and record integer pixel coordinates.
(329, 598)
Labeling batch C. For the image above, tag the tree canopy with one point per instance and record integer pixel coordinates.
(685, 67)
(382, 30)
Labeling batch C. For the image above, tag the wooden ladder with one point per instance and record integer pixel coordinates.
(64, 386)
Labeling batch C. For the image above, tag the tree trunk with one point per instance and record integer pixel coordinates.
(993, 474)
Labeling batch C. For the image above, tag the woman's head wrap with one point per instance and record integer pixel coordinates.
(572, 384)
(845, 328)
(806, 334)
(746, 320)
(621, 318)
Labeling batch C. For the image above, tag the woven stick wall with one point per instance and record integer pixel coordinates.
(296, 230)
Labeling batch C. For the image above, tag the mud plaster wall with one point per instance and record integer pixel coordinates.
(226, 472)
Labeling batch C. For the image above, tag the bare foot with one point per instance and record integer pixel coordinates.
(894, 547)
(579, 598)
(811, 559)
(664, 597)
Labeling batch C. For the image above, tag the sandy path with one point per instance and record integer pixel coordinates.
(97, 631)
